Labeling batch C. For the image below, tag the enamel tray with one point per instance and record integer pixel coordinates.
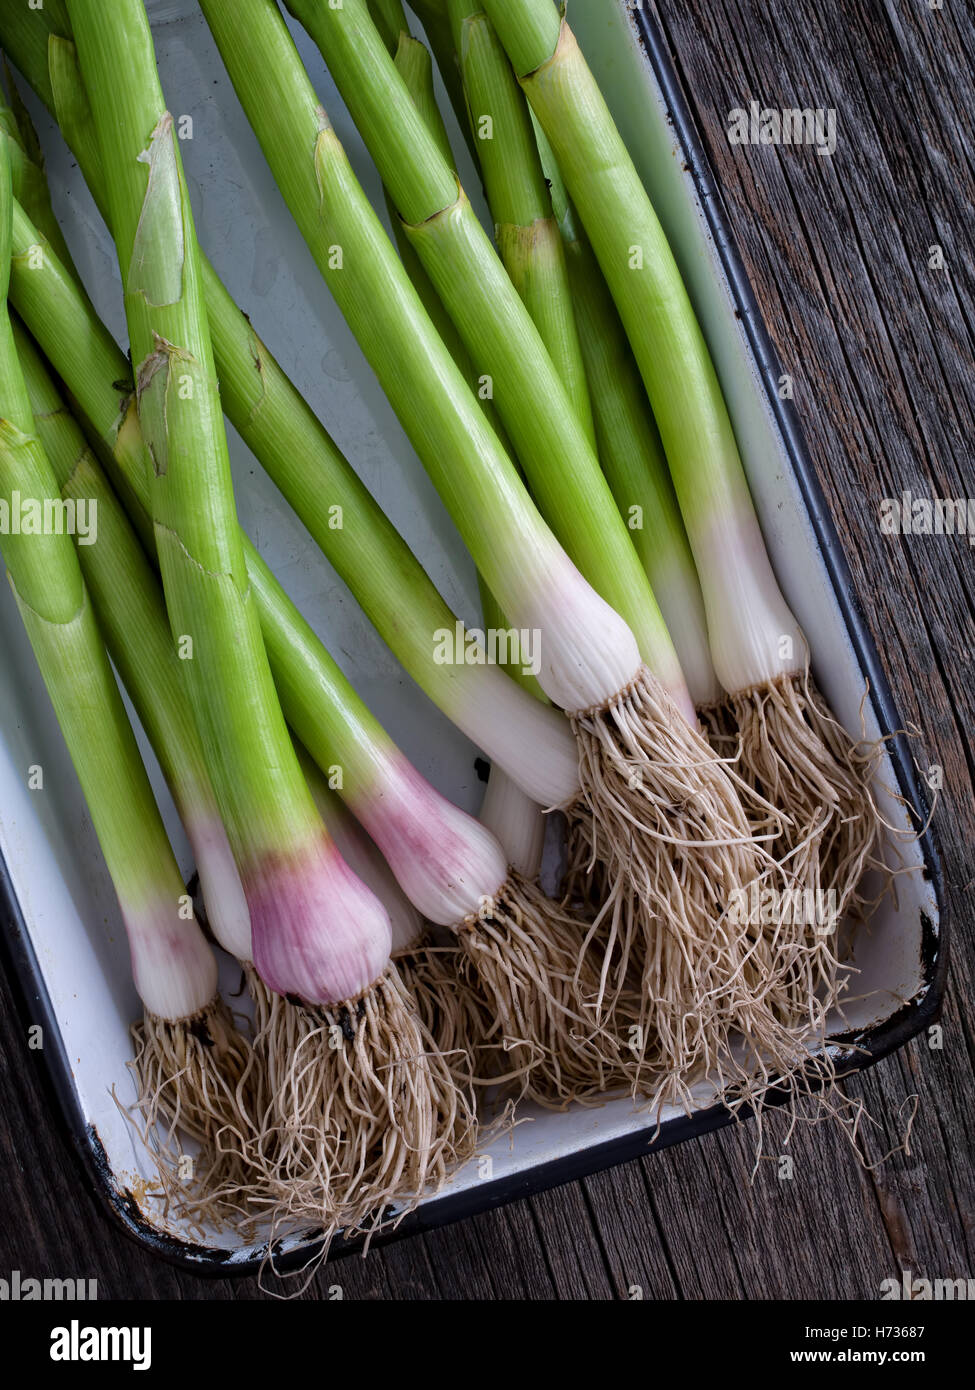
(62, 936)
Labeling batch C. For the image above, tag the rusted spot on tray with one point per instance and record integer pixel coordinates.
(127, 1205)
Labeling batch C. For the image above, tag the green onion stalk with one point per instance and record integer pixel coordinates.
(526, 232)
(630, 450)
(529, 243)
(433, 15)
(516, 821)
(804, 966)
(513, 814)
(190, 1060)
(792, 748)
(451, 867)
(316, 932)
(515, 818)
(638, 754)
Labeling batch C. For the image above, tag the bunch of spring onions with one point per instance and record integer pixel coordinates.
(399, 952)
(533, 743)
(649, 783)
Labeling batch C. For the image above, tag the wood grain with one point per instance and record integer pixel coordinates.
(881, 350)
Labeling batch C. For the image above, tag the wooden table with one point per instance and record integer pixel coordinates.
(880, 347)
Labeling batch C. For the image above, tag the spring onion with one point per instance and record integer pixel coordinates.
(513, 816)
(630, 451)
(527, 234)
(317, 933)
(132, 618)
(189, 1057)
